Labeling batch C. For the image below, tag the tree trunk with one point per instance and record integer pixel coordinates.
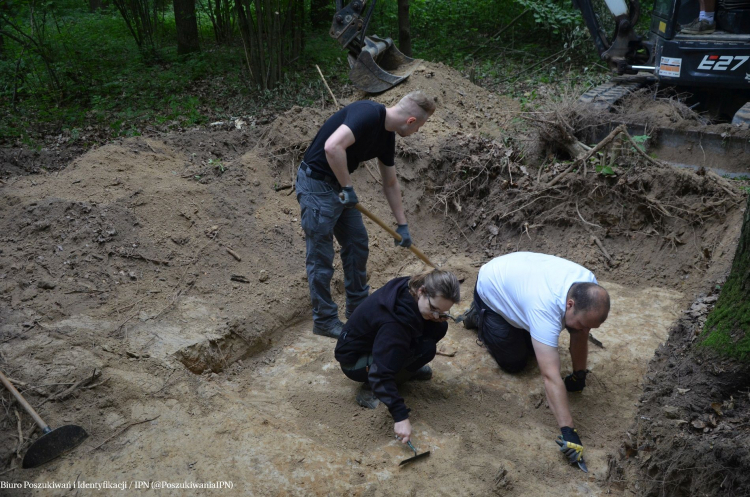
(728, 326)
(404, 27)
(271, 36)
(321, 13)
(187, 26)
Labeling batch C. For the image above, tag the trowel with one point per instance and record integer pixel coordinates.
(456, 319)
(415, 457)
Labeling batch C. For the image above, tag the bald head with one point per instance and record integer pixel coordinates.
(591, 299)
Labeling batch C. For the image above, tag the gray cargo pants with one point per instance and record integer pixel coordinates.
(323, 217)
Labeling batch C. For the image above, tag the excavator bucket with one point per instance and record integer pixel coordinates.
(380, 65)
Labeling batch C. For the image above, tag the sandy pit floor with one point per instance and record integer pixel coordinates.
(286, 423)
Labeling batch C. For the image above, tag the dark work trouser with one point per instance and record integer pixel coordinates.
(508, 345)
(422, 354)
(323, 216)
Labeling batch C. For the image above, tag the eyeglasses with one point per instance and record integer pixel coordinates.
(434, 310)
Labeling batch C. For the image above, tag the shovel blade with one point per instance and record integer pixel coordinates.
(54, 444)
(582, 465)
(412, 459)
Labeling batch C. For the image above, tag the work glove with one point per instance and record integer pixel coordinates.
(348, 197)
(403, 230)
(576, 381)
(570, 444)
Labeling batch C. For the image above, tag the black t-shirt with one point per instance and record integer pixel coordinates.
(366, 119)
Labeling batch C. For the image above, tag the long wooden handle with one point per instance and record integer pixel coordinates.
(395, 235)
(23, 403)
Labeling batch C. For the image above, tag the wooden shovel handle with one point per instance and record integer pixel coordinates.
(395, 235)
(23, 403)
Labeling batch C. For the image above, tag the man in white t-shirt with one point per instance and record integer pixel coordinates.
(522, 302)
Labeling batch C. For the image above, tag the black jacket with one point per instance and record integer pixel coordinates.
(387, 325)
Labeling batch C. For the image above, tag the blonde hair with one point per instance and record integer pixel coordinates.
(418, 102)
(437, 283)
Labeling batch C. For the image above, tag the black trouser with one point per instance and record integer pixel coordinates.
(508, 345)
(423, 353)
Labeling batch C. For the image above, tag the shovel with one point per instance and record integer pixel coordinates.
(52, 443)
(395, 235)
(416, 456)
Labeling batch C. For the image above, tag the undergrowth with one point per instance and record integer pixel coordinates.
(727, 329)
(102, 80)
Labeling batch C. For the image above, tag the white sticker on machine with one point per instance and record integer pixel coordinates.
(669, 66)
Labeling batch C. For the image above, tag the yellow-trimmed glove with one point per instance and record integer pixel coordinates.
(570, 444)
(576, 381)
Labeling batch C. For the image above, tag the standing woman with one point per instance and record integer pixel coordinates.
(392, 336)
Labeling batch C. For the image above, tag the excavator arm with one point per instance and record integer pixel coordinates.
(376, 64)
(612, 27)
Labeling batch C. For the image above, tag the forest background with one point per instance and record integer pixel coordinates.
(122, 67)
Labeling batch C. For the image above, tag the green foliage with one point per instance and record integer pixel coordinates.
(604, 170)
(559, 18)
(86, 68)
(727, 328)
(640, 141)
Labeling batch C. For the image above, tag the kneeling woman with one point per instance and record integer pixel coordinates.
(392, 336)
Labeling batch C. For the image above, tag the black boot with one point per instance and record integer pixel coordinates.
(471, 318)
(332, 332)
(422, 374)
(366, 398)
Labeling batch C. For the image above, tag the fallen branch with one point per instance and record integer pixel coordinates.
(20, 433)
(620, 129)
(12, 468)
(67, 392)
(130, 425)
(233, 254)
(604, 251)
(715, 179)
(584, 221)
(574, 147)
(127, 255)
(23, 383)
(639, 150)
(104, 381)
(327, 87)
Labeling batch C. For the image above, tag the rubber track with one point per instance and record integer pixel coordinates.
(604, 96)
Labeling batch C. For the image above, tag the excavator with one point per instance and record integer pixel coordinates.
(376, 65)
(714, 69)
